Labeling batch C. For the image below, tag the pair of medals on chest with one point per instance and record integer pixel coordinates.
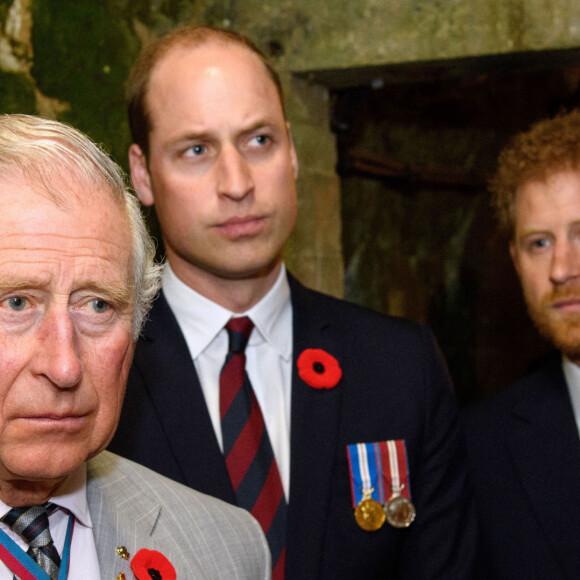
(380, 487)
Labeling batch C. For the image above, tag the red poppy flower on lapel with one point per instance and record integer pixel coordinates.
(152, 565)
(318, 369)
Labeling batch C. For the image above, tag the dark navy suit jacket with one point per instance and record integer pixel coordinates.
(525, 454)
(394, 386)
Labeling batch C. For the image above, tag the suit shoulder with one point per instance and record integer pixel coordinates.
(202, 536)
(378, 342)
(110, 469)
(343, 311)
(496, 406)
(490, 416)
(541, 376)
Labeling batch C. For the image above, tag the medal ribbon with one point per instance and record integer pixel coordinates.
(397, 477)
(24, 566)
(366, 472)
(368, 477)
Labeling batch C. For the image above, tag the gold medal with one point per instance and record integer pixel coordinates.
(369, 515)
(399, 511)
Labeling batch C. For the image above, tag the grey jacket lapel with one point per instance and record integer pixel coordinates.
(202, 537)
(113, 516)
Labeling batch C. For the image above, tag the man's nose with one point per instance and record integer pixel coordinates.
(234, 174)
(565, 262)
(58, 357)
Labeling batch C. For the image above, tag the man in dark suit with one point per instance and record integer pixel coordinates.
(524, 444)
(357, 407)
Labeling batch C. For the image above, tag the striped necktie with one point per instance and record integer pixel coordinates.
(31, 523)
(247, 450)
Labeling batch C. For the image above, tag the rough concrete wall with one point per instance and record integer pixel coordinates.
(314, 252)
(69, 59)
(335, 34)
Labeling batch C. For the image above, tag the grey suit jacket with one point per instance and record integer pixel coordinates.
(202, 537)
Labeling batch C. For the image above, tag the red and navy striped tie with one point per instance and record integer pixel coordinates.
(247, 449)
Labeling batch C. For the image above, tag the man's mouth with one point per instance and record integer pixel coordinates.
(241, 226)
(568, 304)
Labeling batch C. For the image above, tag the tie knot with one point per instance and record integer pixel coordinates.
(239, 330)
(31, 523)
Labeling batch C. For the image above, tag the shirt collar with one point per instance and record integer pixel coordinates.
(272, 316)
(572, 375)
(201, 319)
(70, 495)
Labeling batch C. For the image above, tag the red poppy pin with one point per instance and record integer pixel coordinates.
(318, 369)
(152, 565)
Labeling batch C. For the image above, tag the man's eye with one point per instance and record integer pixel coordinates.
(540, 243)
(17, 303)
(99, 306)
(196, 150)
(261, 140)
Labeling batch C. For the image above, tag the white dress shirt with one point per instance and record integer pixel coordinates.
(72, 495)
(268, 355)
(572, 375)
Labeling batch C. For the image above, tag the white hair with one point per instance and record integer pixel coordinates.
(41, 149)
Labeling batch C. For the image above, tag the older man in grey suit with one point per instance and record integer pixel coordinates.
(76, 280)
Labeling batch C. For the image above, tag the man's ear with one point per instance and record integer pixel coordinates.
(140, 175)
(293, 156)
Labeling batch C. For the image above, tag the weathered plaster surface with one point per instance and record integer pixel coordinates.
(336, 33)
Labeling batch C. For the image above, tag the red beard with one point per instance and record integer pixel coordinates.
(560, 328)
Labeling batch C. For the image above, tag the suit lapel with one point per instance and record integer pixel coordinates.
(546, 450)
(314, 431)
(107, 513)
(173, 385)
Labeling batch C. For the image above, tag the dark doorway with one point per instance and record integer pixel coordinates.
(417, 144)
